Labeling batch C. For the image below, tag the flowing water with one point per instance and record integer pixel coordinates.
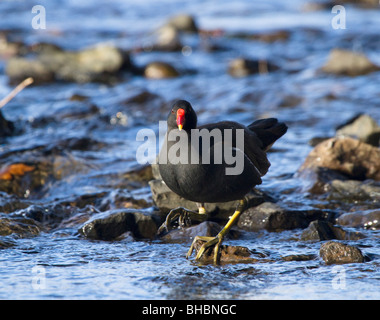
(60, 264)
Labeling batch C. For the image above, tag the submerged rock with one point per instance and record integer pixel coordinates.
(344, 62)
(111, 224)
(346, 156)
(333, 252)
(272, 217)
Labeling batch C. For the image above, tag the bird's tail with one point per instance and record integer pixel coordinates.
(268, 131)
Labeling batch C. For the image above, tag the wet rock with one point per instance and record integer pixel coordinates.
(166, 200)
(243, 67)
(368, 219)
(228, 254)
(206, 228)
(272, 217)
(344, 62)
(362, 127)
(7, 128)
(160, 70)
(353, 191)
(347, 156)
(10, 203)
(324, 230)
(299, 257)
(139, 107)
(94, 64)
(7, 242)
(333, 252)
(317, 180)
(20, 178)
(111, 224)
(19, 226)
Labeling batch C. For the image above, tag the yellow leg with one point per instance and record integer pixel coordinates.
(216, 241)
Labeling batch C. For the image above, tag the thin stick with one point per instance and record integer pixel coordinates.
(15, 91)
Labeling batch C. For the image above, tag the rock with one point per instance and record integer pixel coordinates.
(362, 127)
(183, 23)
(272, 217)
(7, 128)
(361, 3)
(228, 254)
(21, 179)
(7, 242)
(160, 70)
(100, 63)
(352, 191)
(243, 67)
(111, 224)
(299, 257)
(271, 36)
(317, 180)
(206, 229)
(333, 252)
(344, 62)
(166, 200)
(49, 216)
(368, 219)
(324, 230)
(19, 226)
(18, 69)
(347, 156)
(93, 64)
(289, 101)
(9, 48)
(168, 39)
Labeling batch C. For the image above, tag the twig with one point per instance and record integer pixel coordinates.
(12, 94)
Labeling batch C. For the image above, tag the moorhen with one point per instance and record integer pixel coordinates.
(194, 163)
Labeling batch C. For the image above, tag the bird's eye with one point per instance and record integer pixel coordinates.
(173, 111)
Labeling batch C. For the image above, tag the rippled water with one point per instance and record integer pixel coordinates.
(58, 264)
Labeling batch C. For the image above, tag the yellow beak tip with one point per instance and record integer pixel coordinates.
(180, 127)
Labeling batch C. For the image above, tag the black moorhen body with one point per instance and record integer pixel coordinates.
(191, 168)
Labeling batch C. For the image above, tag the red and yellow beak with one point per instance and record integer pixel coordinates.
(180, 118)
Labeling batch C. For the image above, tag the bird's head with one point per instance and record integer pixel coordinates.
(182, 116)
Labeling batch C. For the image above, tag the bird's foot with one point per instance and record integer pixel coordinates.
(209, 242)
(182, 215)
